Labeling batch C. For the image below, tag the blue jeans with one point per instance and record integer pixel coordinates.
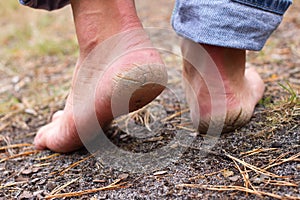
(242, 24)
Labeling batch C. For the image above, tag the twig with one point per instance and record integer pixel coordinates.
(281, 183)
(60, 188)
(292, 158)
(186, 128)
(75, 164)
(256, 151)
(237, 188)
(12, 184)
(7, 142)
(175, 115)
(48, 157)
(19, 155)
(41, 165)
(254, 168)
(15, 146)
(245, 176)
(112, 186)
(278, 158)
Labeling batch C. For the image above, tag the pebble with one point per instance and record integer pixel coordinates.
(38, 192)
(15, 79)
(26, 195)
(234, 178)
(30, 171)
(123, 176)
(31, 111)
(21, 179)
(27, 172)
(160, 173)
(227, 173)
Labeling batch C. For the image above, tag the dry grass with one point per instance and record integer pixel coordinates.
(32, 42)
(38, 53)
(249, 187)
(113, 186)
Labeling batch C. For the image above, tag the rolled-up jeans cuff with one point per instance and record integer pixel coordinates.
(242, 24)
(45, 4)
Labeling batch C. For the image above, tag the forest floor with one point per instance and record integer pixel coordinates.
(38, 54)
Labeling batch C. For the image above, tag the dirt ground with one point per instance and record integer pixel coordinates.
(38, 53)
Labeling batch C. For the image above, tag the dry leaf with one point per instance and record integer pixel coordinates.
(227, 173)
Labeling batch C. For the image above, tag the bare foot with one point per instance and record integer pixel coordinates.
(95, 22)
(240, 88)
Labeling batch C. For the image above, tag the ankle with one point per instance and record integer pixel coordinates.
(230, 63)
(97, 20)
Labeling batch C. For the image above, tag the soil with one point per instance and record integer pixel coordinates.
(259, 160)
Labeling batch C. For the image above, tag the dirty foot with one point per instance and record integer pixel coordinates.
(242, 88)
(95, 22)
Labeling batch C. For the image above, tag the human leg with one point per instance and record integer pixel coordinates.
(224, 29)
(95, 22)
(239, 87)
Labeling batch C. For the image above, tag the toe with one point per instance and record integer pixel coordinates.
(58, 137)
(57, 115)
(40, 139)
(47, 137)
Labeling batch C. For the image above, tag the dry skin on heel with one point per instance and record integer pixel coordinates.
(137, 87)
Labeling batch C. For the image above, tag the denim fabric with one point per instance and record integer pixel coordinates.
(45, 4)
(275, 6)
(242, 24)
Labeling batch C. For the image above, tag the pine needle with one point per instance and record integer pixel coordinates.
(237, 188)
(15, 146)
(20, 155)
(112, 186)
(75, 164)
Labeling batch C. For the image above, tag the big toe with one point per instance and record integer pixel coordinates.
(54, 137)
(41, 138)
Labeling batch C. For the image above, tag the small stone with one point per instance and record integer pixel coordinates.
(160, 173)
(174, 146)
(5, 173)
(194, 134)
(21, 179)
(42, 182)
(38, 192)
(26, 172)
(34, 180)
(227, 173)
(257, 180)
(26, 195)
(30, 111)
(123, 176)
(34, 170)
(260, 179)
(234, 178)
(15, 79)
(50, 186)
